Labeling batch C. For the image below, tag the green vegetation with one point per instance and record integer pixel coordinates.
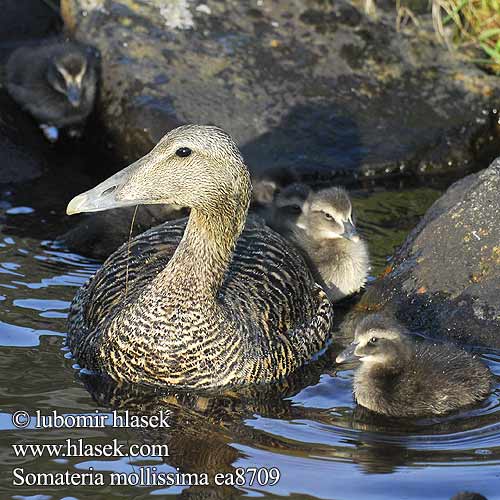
(476, 24)
(469, 25)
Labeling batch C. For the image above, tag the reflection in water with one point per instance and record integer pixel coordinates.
(307, 426)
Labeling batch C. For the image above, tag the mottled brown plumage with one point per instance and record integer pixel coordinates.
(200, 303)
(401, 377)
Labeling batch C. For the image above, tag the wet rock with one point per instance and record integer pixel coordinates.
(98, 235)
(25, 19)
(316, 87)
(445, 279)
(22, 147)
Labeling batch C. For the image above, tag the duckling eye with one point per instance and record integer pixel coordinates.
(373, 340)
(183, 152)
(327, 216)
(294, 209)
(61, 80)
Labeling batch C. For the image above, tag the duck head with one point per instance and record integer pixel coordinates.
(193, 166)
(327, 215)
(67, 73)
(378, 341)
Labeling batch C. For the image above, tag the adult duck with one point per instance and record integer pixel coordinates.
(198, 304)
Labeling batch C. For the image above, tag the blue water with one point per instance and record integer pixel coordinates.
(310, 429)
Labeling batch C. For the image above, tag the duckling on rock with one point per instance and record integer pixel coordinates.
(198, 304)
(404, 378)
(55, 82)
(321, 225)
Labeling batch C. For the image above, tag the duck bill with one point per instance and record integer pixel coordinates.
(350, 232)
(74, 94)
(111, 193)
(347, 355)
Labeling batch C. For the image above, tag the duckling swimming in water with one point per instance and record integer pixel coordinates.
(320, 224)
(55, 82)
(202, 304)
(404, 378)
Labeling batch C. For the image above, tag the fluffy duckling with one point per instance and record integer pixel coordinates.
(404, 378)
(321, 225)
(55, 82)
(287, 206)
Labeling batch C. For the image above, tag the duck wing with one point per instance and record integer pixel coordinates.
(268, 291)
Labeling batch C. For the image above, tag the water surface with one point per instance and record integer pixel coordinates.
(307, 427)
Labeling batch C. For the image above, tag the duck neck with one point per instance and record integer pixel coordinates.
(197, 268)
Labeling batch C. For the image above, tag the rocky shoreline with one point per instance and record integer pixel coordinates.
(316, 88)
(444, 281)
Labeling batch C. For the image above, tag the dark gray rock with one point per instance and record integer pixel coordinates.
(23, 149)
(100, 234)
(445, 279)
(25, 19)
(315, 87)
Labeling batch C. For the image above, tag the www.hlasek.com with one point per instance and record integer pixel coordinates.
(139, 476)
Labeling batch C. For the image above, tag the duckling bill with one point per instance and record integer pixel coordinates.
(404, 378)
(55, 82)
(206, 302)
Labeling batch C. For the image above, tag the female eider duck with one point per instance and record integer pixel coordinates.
(202, 304)
(401, 377)
(55, 82)
(321, 225)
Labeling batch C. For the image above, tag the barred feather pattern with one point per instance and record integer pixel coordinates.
(270, 317)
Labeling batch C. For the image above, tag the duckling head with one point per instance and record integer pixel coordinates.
(327, 215)
(66, 74)
(289, 204)
(378, 340)
(193, 166)
(292, 198)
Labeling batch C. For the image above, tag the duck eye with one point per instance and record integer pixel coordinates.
(183, 152)
(373, 340)
(327, 216)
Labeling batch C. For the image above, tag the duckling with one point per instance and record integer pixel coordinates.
(201, 303)
(321, 225)
(55, 82)
(288, 205)
(403, 378)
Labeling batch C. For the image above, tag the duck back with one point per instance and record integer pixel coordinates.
(283, 317)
